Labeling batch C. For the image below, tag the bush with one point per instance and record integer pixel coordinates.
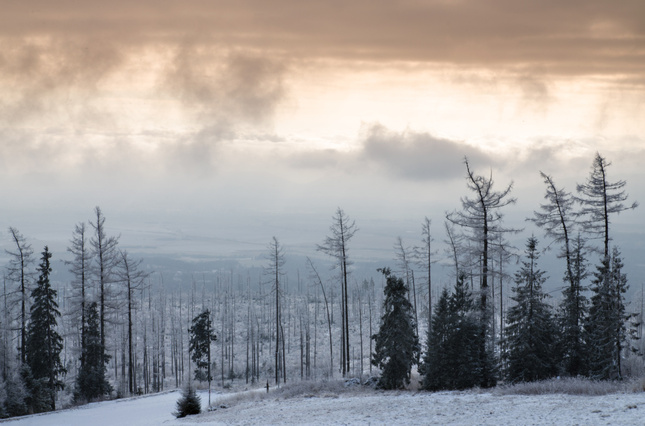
(567, 386)
(189, 403)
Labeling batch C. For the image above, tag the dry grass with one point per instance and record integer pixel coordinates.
(302, 389)
(570, 386)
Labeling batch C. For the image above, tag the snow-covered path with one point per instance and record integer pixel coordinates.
(151, 410)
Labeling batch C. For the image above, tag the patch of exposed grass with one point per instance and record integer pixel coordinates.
(569, 386)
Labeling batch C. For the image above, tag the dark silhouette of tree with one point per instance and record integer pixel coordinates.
(452, 360)
(18, 271)
(600, 199)
(606, 330)
(336, 246)
(531, 332)
(189, 403)
(91, 383)
(396, 345)
(44, 344)
(201, 336)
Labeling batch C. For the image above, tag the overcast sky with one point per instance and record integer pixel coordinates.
(207, 127)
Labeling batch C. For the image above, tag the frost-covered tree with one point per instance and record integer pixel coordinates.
(18, 271)
(606, 329)
(106, 259)
(530, 333)
(336, 246)
(600, 199)
(44, 344)
(79, 266)
(396, 345)
(275, 272)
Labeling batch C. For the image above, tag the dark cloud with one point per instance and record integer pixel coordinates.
(580, 37)
(234, 85)
(418, 156)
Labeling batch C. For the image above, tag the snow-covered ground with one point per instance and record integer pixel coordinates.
(445, 408)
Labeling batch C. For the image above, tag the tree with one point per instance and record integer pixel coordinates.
(572, 313)
(605, 328)
(396, 345)
(481, 216)
(133, 278)
(44, 344)
(91, 383)
(190, 403)
(530, 331)
(274, 272)
(201, 336)
(599, 199)
(424, 255)
(104, 250)
(79, 266)
(18, 272)
(452, 360)
(336, 246)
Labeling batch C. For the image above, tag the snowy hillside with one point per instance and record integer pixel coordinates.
(362, 407)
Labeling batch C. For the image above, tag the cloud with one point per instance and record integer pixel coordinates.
(418, 156)
(579, 37)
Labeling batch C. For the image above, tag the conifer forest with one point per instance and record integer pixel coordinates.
(460, 305)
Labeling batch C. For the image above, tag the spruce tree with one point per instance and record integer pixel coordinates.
(91, 383)
(452, 357)
(396, 343)
(44, 344)
(605, 329)
(572, 313)
(189, 403)
(530, 333)
(201, 336)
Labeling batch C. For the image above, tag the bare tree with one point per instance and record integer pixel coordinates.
(336, 246)
(424, 256)
(19, 271)
(600, 199)
(106, 257)
(319, 281)
(133, 278)
(404, 261)
(79, 266)
(481, 215)
(274, 271)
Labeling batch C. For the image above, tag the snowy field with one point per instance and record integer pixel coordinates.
(368, 407)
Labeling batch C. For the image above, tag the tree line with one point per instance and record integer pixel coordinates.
(122, 333)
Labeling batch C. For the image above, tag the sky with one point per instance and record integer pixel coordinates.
(204, 128)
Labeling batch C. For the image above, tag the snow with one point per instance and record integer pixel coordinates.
(446, 408)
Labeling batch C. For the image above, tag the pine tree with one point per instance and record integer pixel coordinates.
(606, 330)
(44, 344)
(572, 313)
(530, 333)
(91, 383)
(396, 343)
(201, 336)
(189, 403)
(452, 357)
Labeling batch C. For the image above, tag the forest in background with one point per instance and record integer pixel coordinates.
(124, 326)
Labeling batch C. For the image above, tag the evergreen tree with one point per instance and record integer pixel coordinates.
(530, 333)
(201, 336)
(44, 344)
(91, 383)
(452, 357)
(572, 314)
(396, 343)
(606, 330)
(189, 403)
